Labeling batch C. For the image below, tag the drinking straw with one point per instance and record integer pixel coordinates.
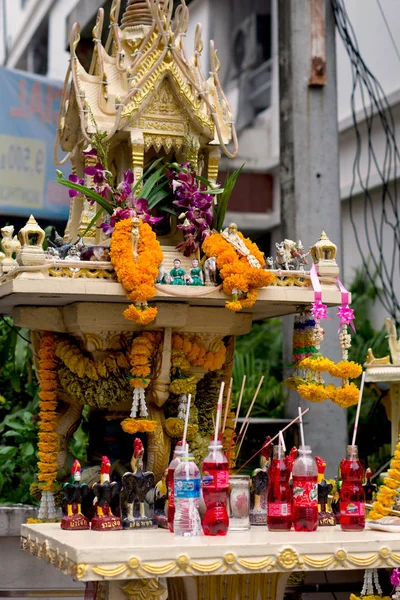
(282, 441)
(240, 400)
(270, 441)
(219, 411)
(353, 443)
(186, 421)
(301, 427)
(228, 399)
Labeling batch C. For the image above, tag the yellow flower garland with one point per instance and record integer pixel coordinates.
(137, 276)
(388, 491)
(197, 355)
(82, 366)
(48, 438)
(237, 274)
(141, 355)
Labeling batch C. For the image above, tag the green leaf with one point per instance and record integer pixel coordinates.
(159, 194)
(151, 182)
(7, 452)
(91, 194)
(21, 350)
(220, 211)
(146, 174)
(167, 209)
(27, 450)
(92, 222)
(15, 381)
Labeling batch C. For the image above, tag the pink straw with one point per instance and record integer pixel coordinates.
(219, 411)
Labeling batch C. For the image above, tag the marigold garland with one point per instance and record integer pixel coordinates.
(137, 276)
(83, 366)
(241, 281)
(196, 353)
(141, 356)
(48, 439)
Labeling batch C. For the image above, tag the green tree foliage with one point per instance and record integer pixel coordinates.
(260, 353)
(18, 405)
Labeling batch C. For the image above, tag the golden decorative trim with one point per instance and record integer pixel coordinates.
(291, 281)
(76, 272)
(287, 559)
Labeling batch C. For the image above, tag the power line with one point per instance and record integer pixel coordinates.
(389, 30)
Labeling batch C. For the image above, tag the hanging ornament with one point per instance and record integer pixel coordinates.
(371, 589)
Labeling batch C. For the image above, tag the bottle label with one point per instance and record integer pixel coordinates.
(187, 488)
(352, 509)
(279, 509)
(217, 479)
(305, 493)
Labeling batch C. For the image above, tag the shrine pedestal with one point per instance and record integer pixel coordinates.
(253, 564)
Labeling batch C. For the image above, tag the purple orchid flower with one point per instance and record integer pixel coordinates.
(395, 577)
(74, 179)
(90, 152)
(98, 172)
(124, 188)
(141, 207)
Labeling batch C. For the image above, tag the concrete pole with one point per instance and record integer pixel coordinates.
(309, 180)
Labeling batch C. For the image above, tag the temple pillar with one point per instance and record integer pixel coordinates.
(88, 212)
(214, 157)
(137, 149)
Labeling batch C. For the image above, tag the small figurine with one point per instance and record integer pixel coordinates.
(259, 480)
(74, 494)
(105, 492)
(73, 254)
(135, 486)
(231, 235)
(325, 518)
(281, 259)
(135, 237)
(163, 278)
(210, 271)
(302, 256)
(177, 273)
(196, 274)
(369, 488)
(10, 245)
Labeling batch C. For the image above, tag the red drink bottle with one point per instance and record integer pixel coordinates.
(215, 491)
(305, 491)
(352, 494)
(179, 451)
(279, 517)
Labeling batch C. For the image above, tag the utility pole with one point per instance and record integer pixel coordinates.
(309, 178)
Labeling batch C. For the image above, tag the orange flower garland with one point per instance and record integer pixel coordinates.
(137, 276)
(241, 280)
(197, 355)
(48, 438)
(142, 352)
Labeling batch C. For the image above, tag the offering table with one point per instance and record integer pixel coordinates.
(130, 563)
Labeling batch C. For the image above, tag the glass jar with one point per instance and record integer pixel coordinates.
(239, 502)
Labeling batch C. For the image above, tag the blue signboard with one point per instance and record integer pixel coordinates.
(29, 106)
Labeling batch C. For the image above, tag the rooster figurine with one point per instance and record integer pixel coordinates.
(325, 517)
(105, 492)
(74, 494)
(135, 486)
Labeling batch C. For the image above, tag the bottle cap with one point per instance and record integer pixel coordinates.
(215, 445)
(305, 449)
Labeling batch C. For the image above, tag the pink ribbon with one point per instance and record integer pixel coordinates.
(345, 313)
(318, 308)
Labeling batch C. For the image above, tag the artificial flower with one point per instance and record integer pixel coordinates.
(346, 315)
(319, 311)
(138, 426)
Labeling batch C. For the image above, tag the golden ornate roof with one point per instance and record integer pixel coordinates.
(142, 79)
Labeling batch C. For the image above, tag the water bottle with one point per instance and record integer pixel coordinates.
(352, 494)
(305, 491)
(215, 491)
(187, 520)
(179, 451)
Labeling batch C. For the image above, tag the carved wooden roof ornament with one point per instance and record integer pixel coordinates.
(142, 86)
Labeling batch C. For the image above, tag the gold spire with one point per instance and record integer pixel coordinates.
(137, 12)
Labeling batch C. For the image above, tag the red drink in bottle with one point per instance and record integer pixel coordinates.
(279, 517)
(352, 494)
(179, 451)
(215, 491)
(305, 491)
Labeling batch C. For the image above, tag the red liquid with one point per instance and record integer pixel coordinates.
(305, 503)
(279, 497)
(215, 493)
(352, 496)
(171, 501)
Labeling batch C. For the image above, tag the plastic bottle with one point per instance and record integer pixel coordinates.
(305, 491)
(279, 517)
(352, 493)
(215, 491)
(178, 452)
(187, 520)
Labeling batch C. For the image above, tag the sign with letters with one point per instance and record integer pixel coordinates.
(29, 106)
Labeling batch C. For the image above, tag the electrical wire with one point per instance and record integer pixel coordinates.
(15, 329)
(380, 220)
(389, 30)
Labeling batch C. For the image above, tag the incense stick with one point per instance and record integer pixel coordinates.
(272, 440)
(240, 401)
(186, 421)
(241, 437)
(301, 427)
(228, 399)
(353, 443)
(219, 411)
(251, 405)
